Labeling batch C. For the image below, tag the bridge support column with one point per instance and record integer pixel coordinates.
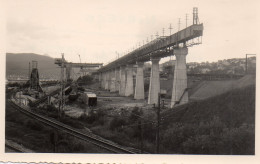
(179, 89)
(106, 80)
(117, 79)
(109, 80)
(154, 87)
(68, 71)
(139, 83)
(99, 77)
(103, 81)
(112, 81)
(122, 81)
(129, 88)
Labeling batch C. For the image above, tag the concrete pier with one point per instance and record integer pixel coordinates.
(129, 88)
(99, 77)
(139, 86)
(122, 81)
(154, 87)
(112, 81)
(109, 80)
(117, 79)
(102, 80)
(106, 81)
(179, 90)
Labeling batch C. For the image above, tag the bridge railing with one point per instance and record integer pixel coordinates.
(158, 45)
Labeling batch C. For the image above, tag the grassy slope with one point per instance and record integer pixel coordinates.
(212, 88)
(204, 89)
(223, 124)
(234, 108)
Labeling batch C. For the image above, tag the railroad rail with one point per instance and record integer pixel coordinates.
(44, 98)
(15, 149)
(58, 125)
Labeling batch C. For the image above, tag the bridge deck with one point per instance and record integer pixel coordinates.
(157, 47)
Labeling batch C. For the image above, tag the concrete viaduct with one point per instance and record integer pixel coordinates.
(118, 75)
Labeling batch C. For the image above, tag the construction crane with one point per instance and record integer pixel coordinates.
(69, 65)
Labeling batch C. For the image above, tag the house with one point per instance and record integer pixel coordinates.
(205, 70)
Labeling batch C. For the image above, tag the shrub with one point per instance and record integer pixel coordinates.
(116, 123)
(239, 140)
(209, 138)
(34, 125)
(81, 89)
(214, 127)
(51, 108)
(135, 115)
(94, 117)
(77, 147)
(87, 80)
(73, 123)
(176, 135)
(199, 144)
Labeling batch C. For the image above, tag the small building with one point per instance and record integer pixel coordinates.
(89, 98)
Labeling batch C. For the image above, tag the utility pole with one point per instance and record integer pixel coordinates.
(61, 106)
(163, 32)
(158, 125)
(179, 24)
(170, 28)
(141, 134)
(156, 35)
(163, 104)
(195, 15)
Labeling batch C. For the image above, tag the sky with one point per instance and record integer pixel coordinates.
(98, 29)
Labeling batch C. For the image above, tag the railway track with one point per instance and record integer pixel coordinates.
(83, 136)
(13, 149)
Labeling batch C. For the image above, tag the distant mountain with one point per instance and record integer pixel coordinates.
(17, 65)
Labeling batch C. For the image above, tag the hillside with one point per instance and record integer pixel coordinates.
(235, 66)
(207, 89)
(17, 64)
(224, 124)
(203, 89)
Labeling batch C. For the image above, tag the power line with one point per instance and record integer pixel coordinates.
(163, 32)
(179, 24)
(186, 18)
(170, 28)
(156, 35)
